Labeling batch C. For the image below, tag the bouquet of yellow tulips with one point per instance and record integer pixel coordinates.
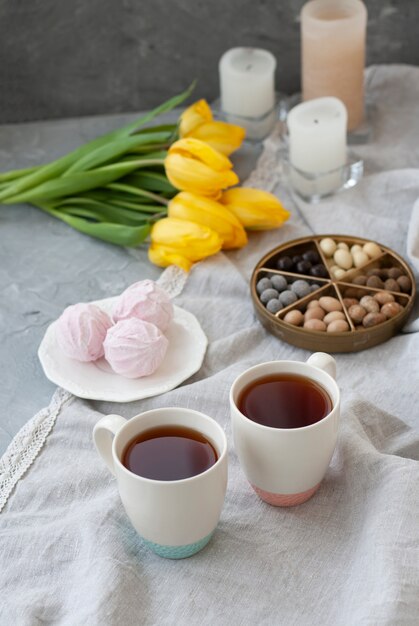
(172, 183)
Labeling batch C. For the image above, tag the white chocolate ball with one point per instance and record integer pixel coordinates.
(343, 258)
(356, 248)
(360, 258)
(339, 273)
(372, 249)
(342, 246)
(328, 246)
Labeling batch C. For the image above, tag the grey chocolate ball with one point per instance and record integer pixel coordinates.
(301, 288)
(279, 282)
(268, 294)
(288, 297)
(274, 305)
(262, 284)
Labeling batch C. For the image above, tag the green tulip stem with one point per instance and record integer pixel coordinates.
(137, 192)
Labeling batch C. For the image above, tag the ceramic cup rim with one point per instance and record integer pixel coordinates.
(303, 365)
(162, 411)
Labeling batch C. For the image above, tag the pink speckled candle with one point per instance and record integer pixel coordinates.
(333, 34)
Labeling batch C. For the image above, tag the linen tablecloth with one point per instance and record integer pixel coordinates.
(348, 556)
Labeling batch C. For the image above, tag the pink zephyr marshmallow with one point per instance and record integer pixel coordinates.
(81, 330)
(146, 301)
(135, 348)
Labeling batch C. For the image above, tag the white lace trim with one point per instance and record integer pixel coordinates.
(29, 441)
(173, 280)
(27, 444)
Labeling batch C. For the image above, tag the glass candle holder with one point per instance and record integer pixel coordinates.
(257, 127)
(313, 187)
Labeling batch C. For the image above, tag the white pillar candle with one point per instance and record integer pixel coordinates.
(333, 34)
(317, 145)
(247, 89)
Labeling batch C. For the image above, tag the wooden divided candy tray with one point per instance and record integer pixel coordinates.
(333, 293)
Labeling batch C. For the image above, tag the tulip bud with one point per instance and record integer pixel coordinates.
(193, 165)
(256, 209)
(181, 242)
(202, 210)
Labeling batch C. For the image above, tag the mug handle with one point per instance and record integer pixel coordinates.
(103, 434)
(324, 362)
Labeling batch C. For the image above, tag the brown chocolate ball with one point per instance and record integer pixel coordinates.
(391, 309)
(395, 272)
(360, 280)
(375, 282)
(357, 313)
(391, 285)
(372, 319)
(404, 283)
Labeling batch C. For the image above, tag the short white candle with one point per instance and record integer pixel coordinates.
(247, 89)
(317, 144)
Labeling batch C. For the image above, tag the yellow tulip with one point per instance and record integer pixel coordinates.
(181, 242)
(202, 210)
(193, 165)
(225, 138)
(256, 209)
(194, 116)
(197, 122)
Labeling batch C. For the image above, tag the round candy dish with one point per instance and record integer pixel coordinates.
(333, 293)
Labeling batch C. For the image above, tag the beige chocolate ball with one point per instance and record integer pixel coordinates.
(313, 304)
(296, 318)
(315, 313)
(338, 326)
(328, 246)
(372, 319)
(356, 248)
(369, 304)
(339, 273)
(343, 258)
(342, 246)
(372, 249)
(357, 313)
(333, 316)
(315, 325)
(330, 304)
(360, 258)
(391, 309)
(383, 297)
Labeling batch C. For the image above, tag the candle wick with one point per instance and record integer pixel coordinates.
(316, 121)
(249, 67)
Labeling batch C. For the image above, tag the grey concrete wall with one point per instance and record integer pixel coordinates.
(79, 57)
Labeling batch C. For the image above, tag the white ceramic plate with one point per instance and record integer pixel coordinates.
(96, 380)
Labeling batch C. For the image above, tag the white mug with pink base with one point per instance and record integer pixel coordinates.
(285, 466)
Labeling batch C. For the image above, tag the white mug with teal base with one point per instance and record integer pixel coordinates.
(175, 518)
